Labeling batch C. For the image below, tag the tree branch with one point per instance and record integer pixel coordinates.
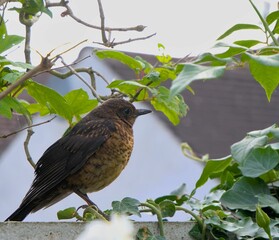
(94, 92)
(28, 127)
(45, 64)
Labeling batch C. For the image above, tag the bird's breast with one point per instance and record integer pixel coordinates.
(107, 163)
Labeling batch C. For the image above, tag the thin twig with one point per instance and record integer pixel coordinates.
(102, 17)
(95, 94)
(22, 129)
(26, 142)
(113, 44)
(69, 12)
(27, 48)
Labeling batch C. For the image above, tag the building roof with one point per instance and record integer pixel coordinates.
(221, 112)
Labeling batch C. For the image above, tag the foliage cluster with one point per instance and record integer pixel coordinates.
(245, 203)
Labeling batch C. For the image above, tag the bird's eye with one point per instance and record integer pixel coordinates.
(127, 111)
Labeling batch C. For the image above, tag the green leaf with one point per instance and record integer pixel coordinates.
(121, 57)
(12, 77)
(67, 213)
(265, 69)
(243, 194)
(192, 72)
(9, 41)
(79, 102)
(173, 107)
(267, 200)
(259, 161)
(126, 205)
(242, 149)
(130, 88)
(9, 103)
(212, 167)
(213, 59)
(272, 131)
(167, 208)
(232, 50)
(195, 232)
(263, 220)
(238, 27)
(273, 16)
(5, 108)
(247, 43)
(145, 234)
(3, 29)
(51, 99)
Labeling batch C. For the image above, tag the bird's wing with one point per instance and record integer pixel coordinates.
(68, 155)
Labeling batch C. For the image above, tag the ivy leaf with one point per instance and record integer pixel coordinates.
(213, 167)
(267, 200)
(242, 149)
(173, 107)
(167, 208)
(145, 234)
(243, 194)
(121, 57)
(265, 69)
(67, 213)
(126, 205)
(192, 72)
(259, 161)
(263, 220)
(237, 27)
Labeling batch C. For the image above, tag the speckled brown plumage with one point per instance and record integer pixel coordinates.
(87, 159)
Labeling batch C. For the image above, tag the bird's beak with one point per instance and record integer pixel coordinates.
(142, 112)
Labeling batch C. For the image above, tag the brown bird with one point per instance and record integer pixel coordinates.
(86, 159)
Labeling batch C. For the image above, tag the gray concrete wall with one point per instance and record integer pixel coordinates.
(70, 230)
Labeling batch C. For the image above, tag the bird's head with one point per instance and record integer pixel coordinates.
(120, 109)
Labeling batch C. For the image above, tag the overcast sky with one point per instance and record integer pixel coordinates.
(183, 26)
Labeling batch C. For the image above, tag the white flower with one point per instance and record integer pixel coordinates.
(119, 228)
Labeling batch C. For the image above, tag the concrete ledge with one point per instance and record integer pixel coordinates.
(70, 230)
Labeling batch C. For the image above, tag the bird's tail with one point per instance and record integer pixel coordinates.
(20, 213)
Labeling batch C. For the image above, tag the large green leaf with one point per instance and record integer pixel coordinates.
(173, 107)
(242, 149)
(79, 102)
(259, 161)
(192, 72)
(244, 194)
(265, 69)
(238, 27)
(51, 99)
(121, 57)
